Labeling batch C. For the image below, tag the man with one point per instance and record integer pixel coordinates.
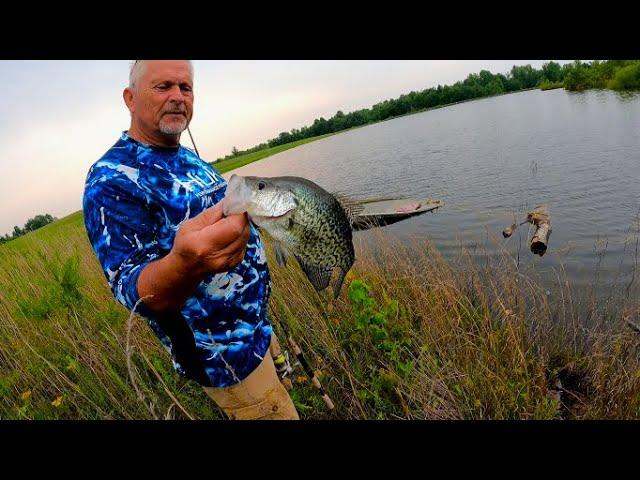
(153, 213)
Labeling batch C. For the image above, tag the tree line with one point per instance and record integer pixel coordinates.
(32, 224)
(617, 74)
(613, 74)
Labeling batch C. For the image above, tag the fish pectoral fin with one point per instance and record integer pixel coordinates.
(318, 276)
(281, 254)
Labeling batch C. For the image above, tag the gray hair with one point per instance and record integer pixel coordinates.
(137, 67)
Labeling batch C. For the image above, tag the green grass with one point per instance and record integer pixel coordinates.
(63, 338)
(550, 85)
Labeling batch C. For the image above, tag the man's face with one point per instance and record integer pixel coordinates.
(162, 99)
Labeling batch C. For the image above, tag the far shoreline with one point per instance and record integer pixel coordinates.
(231, 164)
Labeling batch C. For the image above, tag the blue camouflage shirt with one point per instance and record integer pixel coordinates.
(136, 196)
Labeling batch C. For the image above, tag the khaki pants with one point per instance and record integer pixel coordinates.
(260, 396)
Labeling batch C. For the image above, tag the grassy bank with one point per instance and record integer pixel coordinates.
(224, 166)
(551, 85)
(412, 336)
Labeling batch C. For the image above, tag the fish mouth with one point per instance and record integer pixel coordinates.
(260, 218)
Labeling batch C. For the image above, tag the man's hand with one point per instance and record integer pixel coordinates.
(211, 243)
(205, 244)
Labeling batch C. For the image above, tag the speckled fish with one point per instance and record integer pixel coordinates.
(304, 220)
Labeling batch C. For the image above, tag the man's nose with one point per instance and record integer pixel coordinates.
(176, 95)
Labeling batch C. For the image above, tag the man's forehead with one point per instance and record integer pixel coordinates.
(155, 70)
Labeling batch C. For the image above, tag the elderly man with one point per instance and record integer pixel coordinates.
(153, 214)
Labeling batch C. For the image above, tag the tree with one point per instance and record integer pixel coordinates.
(32, 224)
(575, 76)
(37, 222)
(234, 151)
(627, 78)
(552, 71)
(495, 87)
(526, 76)
(486, 77)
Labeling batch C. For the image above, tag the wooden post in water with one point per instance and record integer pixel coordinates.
(541, 219)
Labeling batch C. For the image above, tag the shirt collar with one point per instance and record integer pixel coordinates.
(170, 150)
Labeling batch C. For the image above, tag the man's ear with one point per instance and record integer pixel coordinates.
(127, 94)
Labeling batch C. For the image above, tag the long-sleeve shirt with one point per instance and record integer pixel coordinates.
(136, 196)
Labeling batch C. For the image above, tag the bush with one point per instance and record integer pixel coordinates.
(546, 85)
(627, 78)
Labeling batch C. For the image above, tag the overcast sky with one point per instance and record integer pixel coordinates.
(63, 115)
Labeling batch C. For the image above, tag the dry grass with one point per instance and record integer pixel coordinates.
(412, 336)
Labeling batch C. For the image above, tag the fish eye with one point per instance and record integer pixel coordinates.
(261, 185)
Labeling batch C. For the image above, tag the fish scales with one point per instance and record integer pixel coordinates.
(305, 220)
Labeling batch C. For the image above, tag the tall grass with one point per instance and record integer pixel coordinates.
(63, 339)
(412, 336)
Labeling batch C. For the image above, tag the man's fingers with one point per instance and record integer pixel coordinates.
(225, 231)
(230, 255)
(209, 216)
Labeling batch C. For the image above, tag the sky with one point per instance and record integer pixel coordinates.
(62, 116)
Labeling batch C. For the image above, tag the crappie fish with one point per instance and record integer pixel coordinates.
(304, 220)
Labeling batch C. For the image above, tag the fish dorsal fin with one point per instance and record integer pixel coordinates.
(281, 253)
(318, 276)
(352, 207)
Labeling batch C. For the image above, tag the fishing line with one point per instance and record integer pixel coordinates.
(194, 143)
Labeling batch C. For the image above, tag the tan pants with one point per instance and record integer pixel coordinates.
(260, 396)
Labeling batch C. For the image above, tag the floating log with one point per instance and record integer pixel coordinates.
(542, 221)
(540, 239)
